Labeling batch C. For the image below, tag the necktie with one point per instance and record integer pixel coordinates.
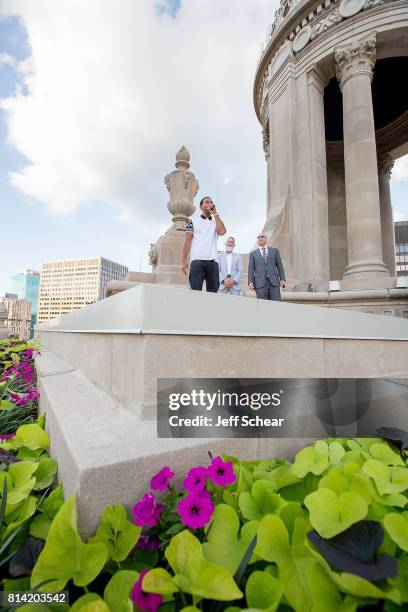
(264, 254)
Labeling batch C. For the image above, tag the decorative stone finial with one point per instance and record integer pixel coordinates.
(182, 186)
(183, 158)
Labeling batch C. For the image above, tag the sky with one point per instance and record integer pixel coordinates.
(96, 98)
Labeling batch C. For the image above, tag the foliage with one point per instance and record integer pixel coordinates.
(18, 392)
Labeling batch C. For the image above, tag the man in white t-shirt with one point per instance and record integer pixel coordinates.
(201, 239)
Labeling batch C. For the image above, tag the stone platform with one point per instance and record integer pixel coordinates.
(99, 368)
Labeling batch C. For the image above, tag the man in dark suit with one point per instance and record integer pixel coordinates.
(265, 271)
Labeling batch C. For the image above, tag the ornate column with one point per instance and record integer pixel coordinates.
(385, 165)
(354, 71)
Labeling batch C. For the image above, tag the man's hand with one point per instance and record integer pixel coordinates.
(251, 286)
(228, 282)
(184, 268)
(282, 284)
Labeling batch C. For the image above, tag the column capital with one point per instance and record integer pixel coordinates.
(358, 59)
(385, 165)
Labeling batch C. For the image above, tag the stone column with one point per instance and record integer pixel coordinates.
(385, 165)
(320, 273)
(354, 71)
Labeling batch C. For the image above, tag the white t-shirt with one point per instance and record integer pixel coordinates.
(204, 244)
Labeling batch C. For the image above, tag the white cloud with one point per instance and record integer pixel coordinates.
(400, 170)
(114, 89)
(7, 60)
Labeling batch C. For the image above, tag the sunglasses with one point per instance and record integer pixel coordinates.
(262, 236)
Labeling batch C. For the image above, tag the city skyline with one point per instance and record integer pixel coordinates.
(83, 150)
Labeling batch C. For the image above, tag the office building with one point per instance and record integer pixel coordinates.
(18, 317)
(401, 247)
(70, 284)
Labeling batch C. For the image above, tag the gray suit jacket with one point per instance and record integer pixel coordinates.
(236, 268)
(258, 271)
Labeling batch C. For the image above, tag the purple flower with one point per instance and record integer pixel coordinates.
(147, 511)
(195, 510)
(196, 478)
(160, 480)
(150, 543)
(6, 436)
(143, 600)
(221, 472)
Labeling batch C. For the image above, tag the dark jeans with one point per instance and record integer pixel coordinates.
(268, 292)
(202, 270)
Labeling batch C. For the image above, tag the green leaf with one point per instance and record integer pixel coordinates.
(387, 479)
(401, 582)
(263, 591)
(32, 436)
(20, 481)
(47, 468)
(6, 405)
(331, 514)
(273, 540)
(223, 545)
(262, 500)
(18, 516)
(314, 459)
(65, 557)
(397, 526)
(118, 589)
(293, 559)
(354, 585)
(53, 502)
(117, 533)
(90, 602)
(384, 453)
(336, 453)
(40, 526)
(195, 575)
(159, 581)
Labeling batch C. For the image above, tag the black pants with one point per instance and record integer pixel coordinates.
(268, 292)
(202, 270)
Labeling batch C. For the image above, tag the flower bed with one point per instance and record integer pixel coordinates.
(18, 385)
(326, 532)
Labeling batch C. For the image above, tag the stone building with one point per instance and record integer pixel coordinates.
(401, 247)
(18, 317)
(334, 117)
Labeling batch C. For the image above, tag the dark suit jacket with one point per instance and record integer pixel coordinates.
(258, 271)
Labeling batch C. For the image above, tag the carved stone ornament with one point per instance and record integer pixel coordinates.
(385, 165)
(152, 255)
(302, 38)
(265, 141)
(355, 60)
(182, 186)
(349, 8)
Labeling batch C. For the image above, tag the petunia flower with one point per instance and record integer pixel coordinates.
(143, 600)
(221, 472)
(148, 542)
(160, 480)
(7, 436)
(147, 511)
(195, 480)
(195, 510)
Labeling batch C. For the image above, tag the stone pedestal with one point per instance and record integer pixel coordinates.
(354, 72)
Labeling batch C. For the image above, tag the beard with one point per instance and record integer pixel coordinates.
(229, 249)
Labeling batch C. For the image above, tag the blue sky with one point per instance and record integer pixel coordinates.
(121, 206)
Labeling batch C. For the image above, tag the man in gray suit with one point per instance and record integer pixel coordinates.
(231, 268)
(265, 271)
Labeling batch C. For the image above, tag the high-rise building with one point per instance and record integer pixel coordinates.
(73, 283)
(18, 317)
(26, 286)
(401, 247)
